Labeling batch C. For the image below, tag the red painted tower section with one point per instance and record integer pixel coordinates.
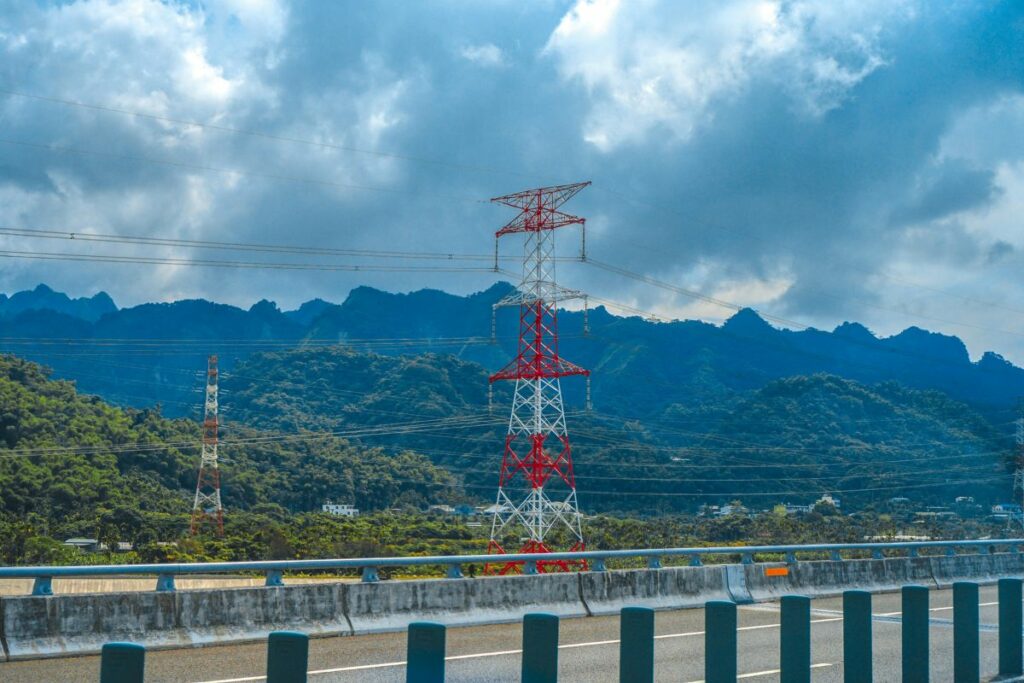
(536, 487)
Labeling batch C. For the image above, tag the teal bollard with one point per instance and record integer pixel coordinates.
(795, 650)
(720, 642)
(122, 663)
(915, 634)
(1011, 657)
(965, 632)
(857, 661)
(287, 657)
(540, 648)
(636, 645)
(425, 658)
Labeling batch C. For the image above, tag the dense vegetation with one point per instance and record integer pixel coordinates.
(71, 465)
(792, 440)
(395, 418)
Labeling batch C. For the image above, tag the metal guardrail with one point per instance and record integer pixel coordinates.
(596, 561)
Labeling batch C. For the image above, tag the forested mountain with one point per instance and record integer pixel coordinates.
(153, 353)
(789, 441)
(684, 413)
(68, 462)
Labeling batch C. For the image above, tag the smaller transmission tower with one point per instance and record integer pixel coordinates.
(207, 506)
(1018, 474)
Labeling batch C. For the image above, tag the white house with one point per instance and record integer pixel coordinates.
(341, 510)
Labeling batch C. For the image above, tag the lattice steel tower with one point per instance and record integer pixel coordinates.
(207, 506)
(537, 444)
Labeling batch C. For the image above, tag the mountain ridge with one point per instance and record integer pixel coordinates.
(632, 357)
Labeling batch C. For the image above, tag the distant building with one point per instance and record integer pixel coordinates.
(829, 500)
(1006, 510)
(341, 510)
(442, 509)
(89, 545)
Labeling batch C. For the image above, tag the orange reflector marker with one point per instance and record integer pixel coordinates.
(776, 571)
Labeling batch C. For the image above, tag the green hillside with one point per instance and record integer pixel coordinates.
(790, 441)
(71, 465)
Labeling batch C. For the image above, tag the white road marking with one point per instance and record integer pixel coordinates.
(503, 653)
(770, 672)
(933, 609)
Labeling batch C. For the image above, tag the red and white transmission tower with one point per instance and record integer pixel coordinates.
(537, 444)
(207, 506)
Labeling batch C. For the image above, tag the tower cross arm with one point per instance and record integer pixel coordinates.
(547, 368)
(533, 220)
(553, 293)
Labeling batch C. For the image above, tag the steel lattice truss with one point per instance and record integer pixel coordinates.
(538, 455)
(207, 507)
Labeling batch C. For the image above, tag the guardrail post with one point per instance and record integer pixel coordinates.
(287, 657)
(835, 556)
(746, 558)
(795, 650)
(122, 663)
(370, 575)
(911, 552)
(790, 557)
(857, 662)
(915, 634)
(636, 645)
(1011, 656)
(540, 648)
(274, 578)
(876, 554)
(695, 561)
(425, 658)
(598, 565)
(42, 585)
(720, 641)
(165, 583)
(454, 571)
(654, 562)
(530, 567)
(965, 632)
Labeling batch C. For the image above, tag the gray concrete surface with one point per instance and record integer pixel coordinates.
(589, 650)
(126, 584)
(64, 625)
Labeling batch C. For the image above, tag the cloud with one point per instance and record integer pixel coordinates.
(662, 65)
(825, 161)
(487, 54)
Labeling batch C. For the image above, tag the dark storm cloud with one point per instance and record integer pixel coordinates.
(815, 158)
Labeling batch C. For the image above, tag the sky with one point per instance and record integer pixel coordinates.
(819, 161)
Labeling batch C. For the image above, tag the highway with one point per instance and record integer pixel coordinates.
(588, 650)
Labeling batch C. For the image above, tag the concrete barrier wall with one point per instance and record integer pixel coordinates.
(670, 588)
(38, 626)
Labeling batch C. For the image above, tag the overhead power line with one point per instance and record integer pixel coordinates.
(67, 149)
(152, 260)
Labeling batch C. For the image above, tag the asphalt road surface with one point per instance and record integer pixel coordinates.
(589, 650)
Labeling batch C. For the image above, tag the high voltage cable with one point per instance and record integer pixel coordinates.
(600, 187)
(244, 246)
(64, 149)
(56, 256)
